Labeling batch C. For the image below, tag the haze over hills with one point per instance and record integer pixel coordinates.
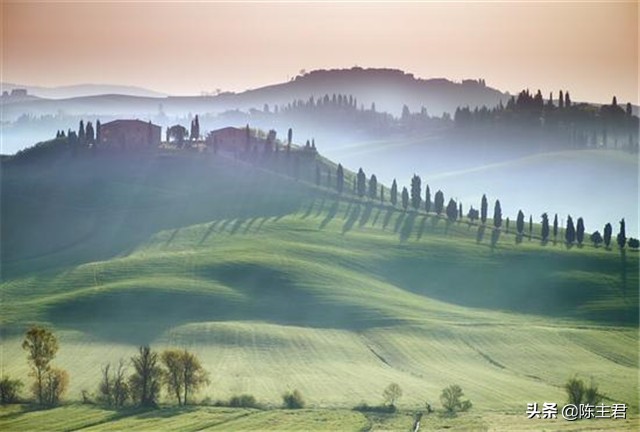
(81, 90)
(389, 89)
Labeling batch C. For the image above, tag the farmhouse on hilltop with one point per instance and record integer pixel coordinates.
(129, 135)
(238, 140)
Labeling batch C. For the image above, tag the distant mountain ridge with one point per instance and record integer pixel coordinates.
(389, 89)
(82, 90)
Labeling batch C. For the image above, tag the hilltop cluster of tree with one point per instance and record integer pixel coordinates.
(578, 125)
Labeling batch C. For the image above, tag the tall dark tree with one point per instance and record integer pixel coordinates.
(89, 134)
(567, 100)
(98, 135)
(608, 230)
(361, 181)
(394, 193)
(460, 214)
(416, 191)
(427, 200)
(405, 198)
(544, 232)
(340, 179)
(81, 134)
(373, 187)
(452, 210)
(497, 215)
(483, 209)
(145, 381)
(289, 138)
(622, 235)
(570, 231)
(555, 226)
(561, 100)
(580, 231)
(438, 202)
(530, 227)
(520, 222)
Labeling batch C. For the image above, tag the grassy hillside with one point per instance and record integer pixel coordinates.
(279, 285)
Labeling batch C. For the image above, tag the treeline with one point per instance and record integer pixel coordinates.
(415, 198)
(136, 382)
(579, 125)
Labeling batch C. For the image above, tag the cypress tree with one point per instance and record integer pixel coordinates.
(520, 222)
(89, 134)
(416, 191)
(452, 210)
(544, 232)
(98, 126)
(81, 132)
(580, 231)
(608, 230)
(438, 203)
(555, 226)
(497, 215)
(483, 209)
(405, 198)
(394, 193)
(460, 211)
(361, 183)
(427, 200)
(530, 227)
(622, 235)
(570, 232)
(373, 187)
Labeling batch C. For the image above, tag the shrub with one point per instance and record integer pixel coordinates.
(451, 399)
(9, 390)
(575, 391)
(244, 401)
(293, 400)
(578, 392)
(634, 243)
(363, 407)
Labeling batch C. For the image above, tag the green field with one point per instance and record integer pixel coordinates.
(278, 285)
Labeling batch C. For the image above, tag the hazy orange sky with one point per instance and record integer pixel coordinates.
(590, 48)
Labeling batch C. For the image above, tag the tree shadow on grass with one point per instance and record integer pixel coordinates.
(423, 224)
(376, 217)
(236, 226)
(320, 207)
(351, 220)
(495, 236)
(309, 210)
(399, 220)
(210, 229)
(407, 226)
(172, 237)
(333, 210)
(387, 217)
(366, 214)
(480, 233)
(248, 226)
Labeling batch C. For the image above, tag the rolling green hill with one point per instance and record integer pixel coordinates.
(277, 284)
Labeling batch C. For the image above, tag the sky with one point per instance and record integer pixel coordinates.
(590, 48)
